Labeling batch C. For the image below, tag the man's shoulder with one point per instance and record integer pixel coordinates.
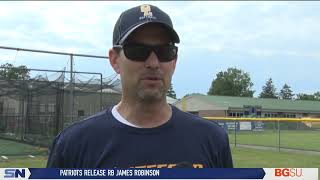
(198, 123)
(194, 119)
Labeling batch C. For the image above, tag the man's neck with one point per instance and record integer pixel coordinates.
(145, 115)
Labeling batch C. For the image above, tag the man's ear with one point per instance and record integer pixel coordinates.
(113, 59)
(175, 63)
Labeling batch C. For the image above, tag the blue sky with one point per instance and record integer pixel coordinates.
(266, 39)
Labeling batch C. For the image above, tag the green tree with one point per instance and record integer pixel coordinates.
(8, 71)
(233, 82)
(268, 91)
(286, 92)
(311, 97)
(171, 92)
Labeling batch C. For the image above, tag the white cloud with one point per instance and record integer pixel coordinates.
(270, 25)
(214, 26)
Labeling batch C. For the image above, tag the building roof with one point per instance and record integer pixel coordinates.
(229, 102)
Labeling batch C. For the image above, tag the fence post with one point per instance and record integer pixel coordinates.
(235, 133)
(101, 87)
(71, 87)
(279, 135)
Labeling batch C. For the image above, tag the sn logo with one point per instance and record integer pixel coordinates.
(14, 173)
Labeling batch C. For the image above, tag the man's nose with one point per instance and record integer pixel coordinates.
(152, 61)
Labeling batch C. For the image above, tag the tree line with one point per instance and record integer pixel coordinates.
(236, 82)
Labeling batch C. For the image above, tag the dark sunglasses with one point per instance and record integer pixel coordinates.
(140, 52)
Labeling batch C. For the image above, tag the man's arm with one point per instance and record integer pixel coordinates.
(55, 159)
(227, 156)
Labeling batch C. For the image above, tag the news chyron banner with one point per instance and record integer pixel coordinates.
(182, 173)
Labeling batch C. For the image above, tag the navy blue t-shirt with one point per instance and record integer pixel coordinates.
(101, 141)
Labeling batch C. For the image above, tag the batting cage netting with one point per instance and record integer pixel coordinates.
(35, 109)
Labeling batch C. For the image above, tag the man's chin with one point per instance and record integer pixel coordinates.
(150, 96)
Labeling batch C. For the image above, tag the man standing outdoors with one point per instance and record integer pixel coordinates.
(143, 130)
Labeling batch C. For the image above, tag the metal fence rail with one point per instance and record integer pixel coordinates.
(281, 133)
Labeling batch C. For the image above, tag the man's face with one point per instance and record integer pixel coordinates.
(148, 80)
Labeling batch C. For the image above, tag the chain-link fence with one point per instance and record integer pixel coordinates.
(281, 134)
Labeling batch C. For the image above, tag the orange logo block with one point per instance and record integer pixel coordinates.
(286, 172)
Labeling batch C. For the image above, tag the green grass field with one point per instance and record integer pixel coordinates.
(243, 157)
(306, 140)
(13, 148)
(24, 161)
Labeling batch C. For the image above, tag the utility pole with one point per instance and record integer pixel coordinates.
(71, 87)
